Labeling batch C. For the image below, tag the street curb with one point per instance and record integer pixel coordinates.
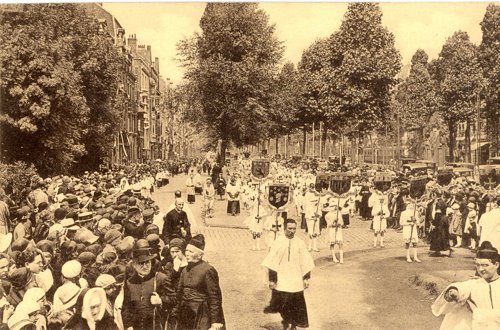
(223, 226)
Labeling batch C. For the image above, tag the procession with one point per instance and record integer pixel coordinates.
(214, 166)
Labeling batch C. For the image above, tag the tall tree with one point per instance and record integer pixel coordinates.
(364, 66)
(458, 75)
(312, 68)
(231, 66)
(56, 86)
(99, 67)
(418, 99)
(282, 113)
(489, 57)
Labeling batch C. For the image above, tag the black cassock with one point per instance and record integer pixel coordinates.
(199, 297)
(364, 210)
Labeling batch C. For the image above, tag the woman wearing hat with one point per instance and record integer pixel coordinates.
(439, 234)
(208, 198)
(473, 304)
(456, 229)
(21, 280)
(191, 198)
(25, 316)
(470, 228)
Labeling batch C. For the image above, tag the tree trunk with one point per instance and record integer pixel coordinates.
(324, 135)
(451, 142)
(277, 142)
(420, 143)
(221, 157)
(287, 146)
(467, 142)
(304, 140)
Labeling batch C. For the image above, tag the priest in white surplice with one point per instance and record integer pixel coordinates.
(473, 304)
(289, 264)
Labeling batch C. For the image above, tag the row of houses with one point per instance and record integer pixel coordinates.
(145, 128)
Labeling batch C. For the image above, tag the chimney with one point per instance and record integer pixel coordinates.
(148, 53)
(132, 43)
(157, 65)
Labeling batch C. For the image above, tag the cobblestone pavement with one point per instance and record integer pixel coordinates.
(224, 231)
(370, 291)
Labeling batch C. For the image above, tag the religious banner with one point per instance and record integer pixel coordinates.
(340, 182)
(260, 169)
(279, 195)
(489, 176)
(322, 180)
(444, 176)
(417, 187)
(382, 181)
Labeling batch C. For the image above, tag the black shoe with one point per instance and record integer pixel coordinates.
(268, 310)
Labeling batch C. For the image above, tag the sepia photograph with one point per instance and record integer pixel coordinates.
(249, 165)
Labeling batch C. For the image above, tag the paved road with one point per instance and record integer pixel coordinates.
(225, 231)
(370, 291)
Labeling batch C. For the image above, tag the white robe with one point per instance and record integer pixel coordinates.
(379, 222)
(410, 229)
(291, 260)
(481, 297)
(490, 227)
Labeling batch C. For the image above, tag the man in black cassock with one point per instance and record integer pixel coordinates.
(176, 223)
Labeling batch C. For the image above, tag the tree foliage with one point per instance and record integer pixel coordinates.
(312, 68)
(15, 180)
(417, 99)
(489, 57)
(364, 65)
(57, 85)
(458, 76)
(231, 65)
(282, 113)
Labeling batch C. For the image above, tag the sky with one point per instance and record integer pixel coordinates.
(414, 25)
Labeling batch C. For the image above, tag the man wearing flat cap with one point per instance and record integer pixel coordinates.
(146, 293)
(135, 224)
(85, 220)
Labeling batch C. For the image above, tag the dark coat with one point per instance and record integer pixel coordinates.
(131, 229)
(173, 278)
(440, 236)
(199, 297)
(137, 309)
(174, 221)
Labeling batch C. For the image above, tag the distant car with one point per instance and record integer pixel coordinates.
(432, 165)
(415, 169)
(461, 164)
(407, 160)
(464, 171)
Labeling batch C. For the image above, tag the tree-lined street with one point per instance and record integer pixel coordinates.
(296, 133)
